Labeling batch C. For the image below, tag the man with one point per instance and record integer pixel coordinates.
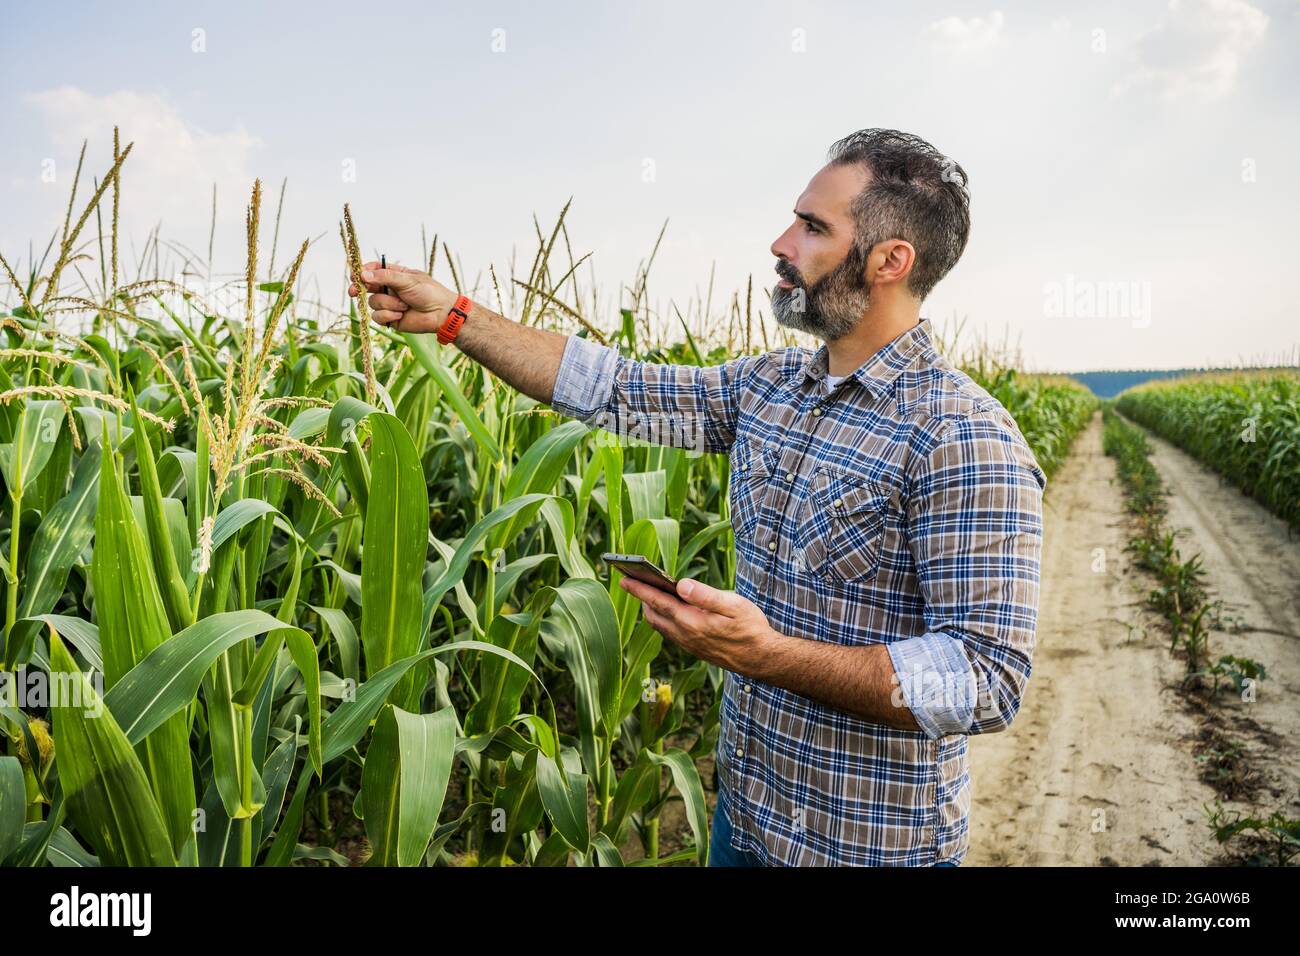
(887, 515)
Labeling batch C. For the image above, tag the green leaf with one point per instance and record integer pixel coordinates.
(13, 805)
(636, 787)
(558, 514)
(646, 490)
(108, 794)
(132, 624)
(33, 443)
(687, 780)
(348, 722)
(342, 431)
(394, 547)
(62, 536)
(171, 582)
(538, 470)
(230, 742)
(404, 782)
(340, 628)
(564, 795)
(700, 540)
(656, 539)
(166, 682)
(522, 508)
(429, 356)
(64, 850)
(584, 628)
(236, 516)
(82, 635)
(500, 685)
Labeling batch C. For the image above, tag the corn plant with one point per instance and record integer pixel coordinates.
(1244, 425)
(294, 576)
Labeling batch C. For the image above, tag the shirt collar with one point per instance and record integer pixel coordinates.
(877, 373)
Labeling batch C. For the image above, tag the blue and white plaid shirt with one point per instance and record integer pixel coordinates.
(903, 506)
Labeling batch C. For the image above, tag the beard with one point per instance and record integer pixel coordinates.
(831, 307)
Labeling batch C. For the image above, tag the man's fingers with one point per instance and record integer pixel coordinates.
(376, 279)
(389, 303)
(387, 316)
(698, 594)
(665, 605)
(648, 595)
(659, 623)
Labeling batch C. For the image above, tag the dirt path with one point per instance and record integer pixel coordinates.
(1253, 566)
(1098, 767)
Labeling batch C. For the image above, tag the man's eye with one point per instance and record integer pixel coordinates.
(809, 227)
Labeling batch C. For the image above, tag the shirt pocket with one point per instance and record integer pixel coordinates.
(842, 526)
(753, 463)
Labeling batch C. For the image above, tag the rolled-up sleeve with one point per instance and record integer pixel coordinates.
(975, 530)
(685, 406)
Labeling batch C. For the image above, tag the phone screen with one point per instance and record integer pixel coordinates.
(642, 569)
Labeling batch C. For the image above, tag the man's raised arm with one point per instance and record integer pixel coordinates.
(685, 406)
(524, 357)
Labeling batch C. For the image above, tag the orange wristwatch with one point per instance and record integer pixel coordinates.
(455, 319)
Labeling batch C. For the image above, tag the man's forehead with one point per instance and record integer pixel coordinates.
(829, 194)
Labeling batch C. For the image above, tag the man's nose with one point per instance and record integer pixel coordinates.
(783, 247)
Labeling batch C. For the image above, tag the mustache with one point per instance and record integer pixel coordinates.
(788, 272)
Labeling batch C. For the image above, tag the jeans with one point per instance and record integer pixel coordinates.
(721, 852)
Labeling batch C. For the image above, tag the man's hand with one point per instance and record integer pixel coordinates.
(417, 303)
(720, 627)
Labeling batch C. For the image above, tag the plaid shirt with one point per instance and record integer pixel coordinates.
(902, 506)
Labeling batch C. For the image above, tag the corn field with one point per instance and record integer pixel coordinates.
(1244, 425)
(283, 587)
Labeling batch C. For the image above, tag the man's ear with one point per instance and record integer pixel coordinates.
(891, 261)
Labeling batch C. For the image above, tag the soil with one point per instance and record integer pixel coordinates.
(1110, 761)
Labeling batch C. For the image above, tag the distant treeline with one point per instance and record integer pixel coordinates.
(1110, 384)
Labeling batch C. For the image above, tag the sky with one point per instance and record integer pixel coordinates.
(1134, 166)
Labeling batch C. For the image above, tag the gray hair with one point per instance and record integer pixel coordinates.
(915, 193)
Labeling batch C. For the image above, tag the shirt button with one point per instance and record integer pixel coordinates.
(838, 503)
(748, 688)
(771, 546)
(740, 751)
(817, 412)
(789, 476)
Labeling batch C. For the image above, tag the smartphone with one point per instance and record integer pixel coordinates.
(642, 569)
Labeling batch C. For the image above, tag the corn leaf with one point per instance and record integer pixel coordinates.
(428, 355)
(564, 795)
(162, 548)
(404, 782)
(165, 682)
(33, 444)
(393, 554)
(686, 778)
(132, 624)
(62, 536)
(108, 793)
(13, 805)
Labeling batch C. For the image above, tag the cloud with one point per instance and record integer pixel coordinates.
(969, 35)
(172, 167)
(1197, 52)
